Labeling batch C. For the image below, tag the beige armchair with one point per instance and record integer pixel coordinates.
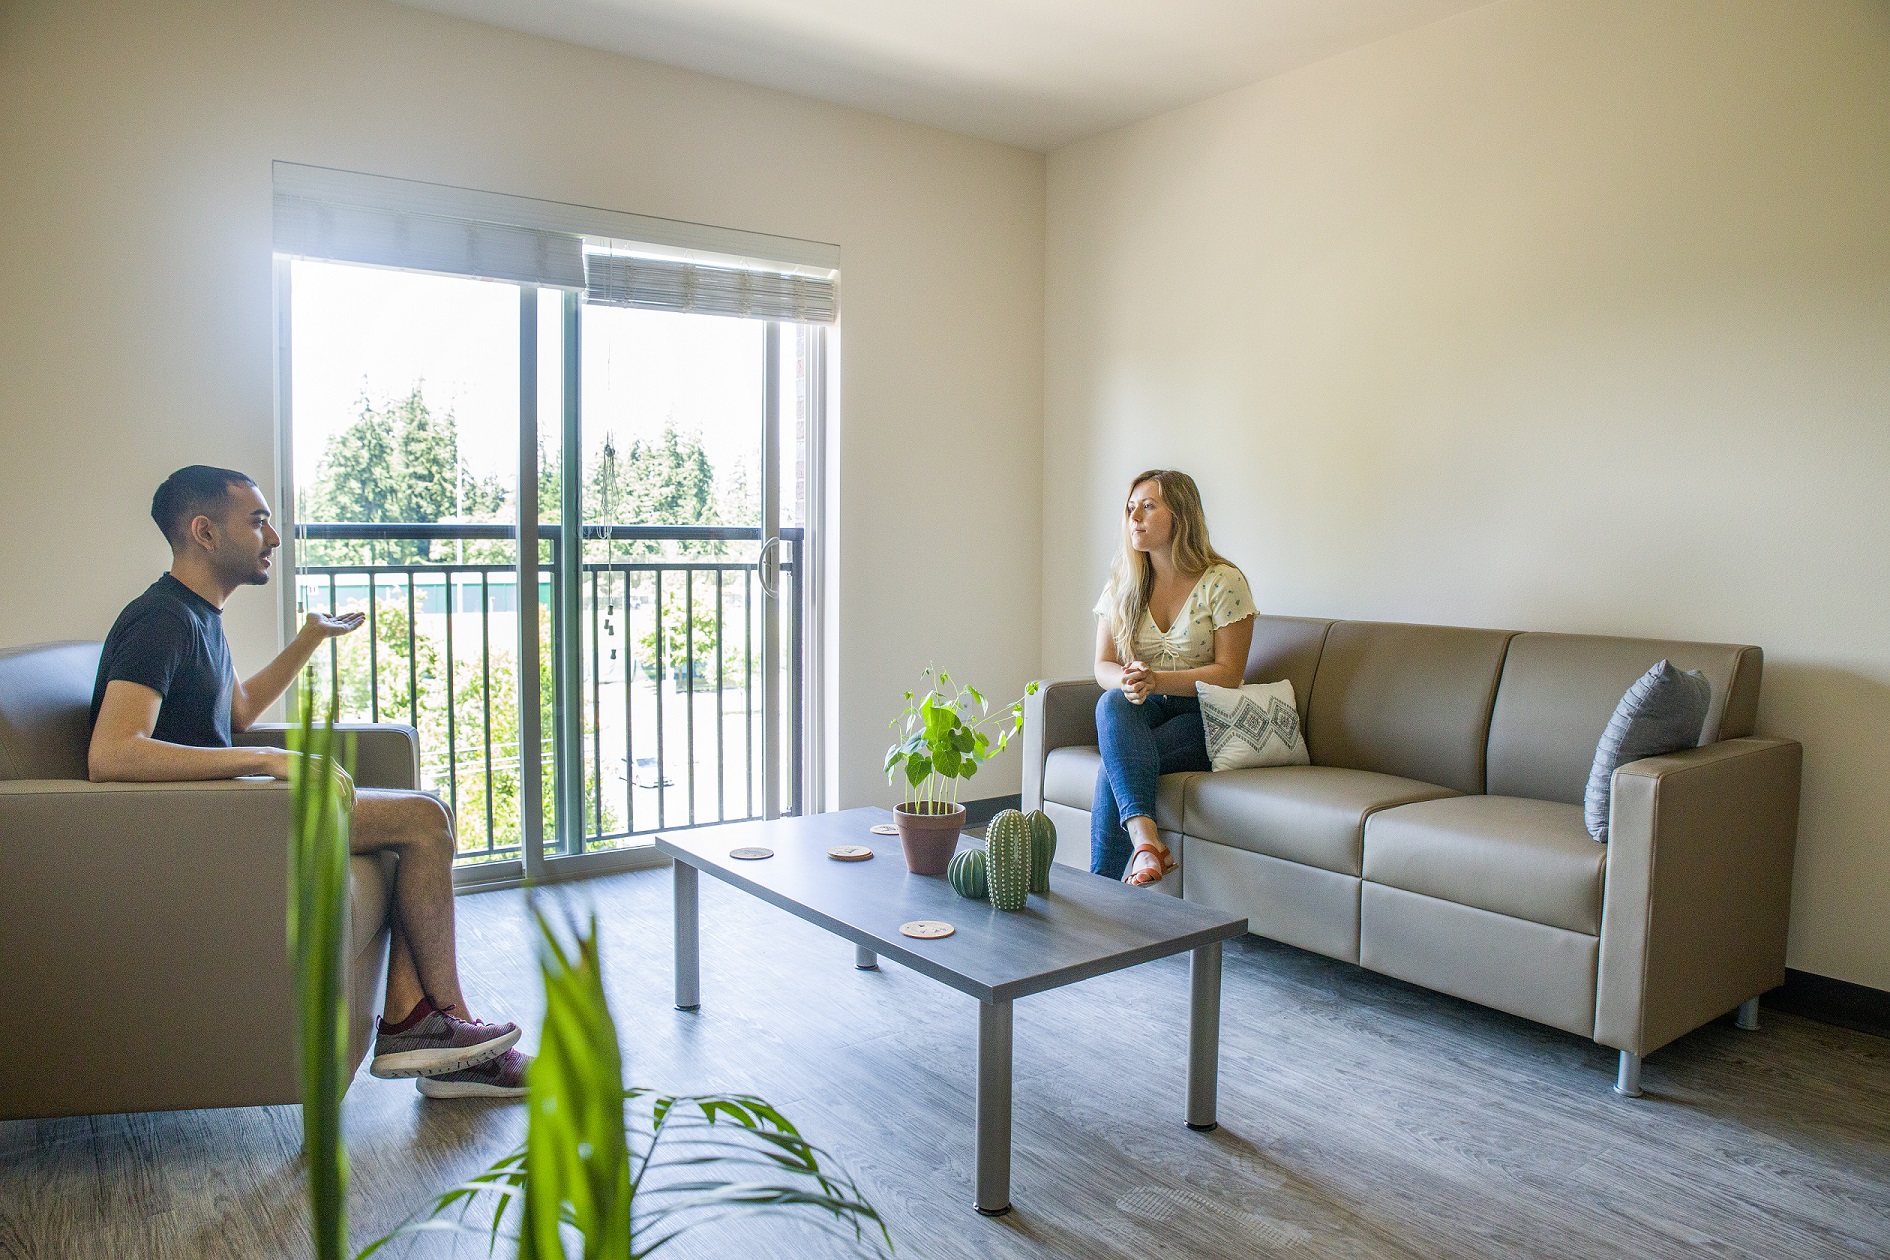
(143, 953)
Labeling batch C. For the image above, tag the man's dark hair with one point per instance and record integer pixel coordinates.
(188, 493)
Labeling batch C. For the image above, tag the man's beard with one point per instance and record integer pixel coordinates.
(255, 574)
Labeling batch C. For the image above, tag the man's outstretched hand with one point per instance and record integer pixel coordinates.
(252, 696)
(324, 626)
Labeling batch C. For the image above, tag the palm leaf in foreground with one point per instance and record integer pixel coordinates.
(319, 801)
(707, 1137)
(577, 1159)
(628, 1170)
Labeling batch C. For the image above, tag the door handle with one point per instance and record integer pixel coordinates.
(761, 566)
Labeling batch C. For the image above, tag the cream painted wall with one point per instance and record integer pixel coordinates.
(1559, 315)
(135, 299)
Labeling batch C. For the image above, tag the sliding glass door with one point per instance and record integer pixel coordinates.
(580, 532)
(678, 599)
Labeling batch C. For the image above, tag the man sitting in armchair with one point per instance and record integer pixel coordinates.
(164, 705)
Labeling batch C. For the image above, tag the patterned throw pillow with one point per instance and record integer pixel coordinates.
(1254, 725)
(1663, 712)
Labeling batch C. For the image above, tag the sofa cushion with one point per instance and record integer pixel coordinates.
(1528, 969)
(1309, 814)
(1287, 647)
(1283, 901)
(1406, 700)
(1510, 855)
(1069, 778)
(1558, 691)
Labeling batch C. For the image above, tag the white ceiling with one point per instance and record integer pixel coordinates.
(1033, 73)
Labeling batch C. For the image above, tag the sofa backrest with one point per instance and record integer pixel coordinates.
(1407, 700)
(1559, 690)
(1287, 648)
(46, 709)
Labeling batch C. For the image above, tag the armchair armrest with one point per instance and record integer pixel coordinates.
(168, 899)
(1061, 714)
(1698, 891)
(386, 755)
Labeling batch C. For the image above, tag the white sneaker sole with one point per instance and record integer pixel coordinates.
(432, 1087)
(407, 1063)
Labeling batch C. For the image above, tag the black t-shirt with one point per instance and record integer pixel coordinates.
(170, 639)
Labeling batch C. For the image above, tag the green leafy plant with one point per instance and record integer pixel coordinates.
(944, 736)
(629, 1170)
(321, 795)
(576, 1157)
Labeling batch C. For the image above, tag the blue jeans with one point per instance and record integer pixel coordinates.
(1140, 743)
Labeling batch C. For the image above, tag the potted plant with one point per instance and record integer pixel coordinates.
(943, 737)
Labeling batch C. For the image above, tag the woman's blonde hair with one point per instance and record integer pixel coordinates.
(1132, 576)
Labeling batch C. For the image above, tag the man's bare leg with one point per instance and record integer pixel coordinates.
(427, 1032)
(418, 829)
(404, 989)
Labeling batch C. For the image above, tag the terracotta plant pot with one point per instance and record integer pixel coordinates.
(929, 839)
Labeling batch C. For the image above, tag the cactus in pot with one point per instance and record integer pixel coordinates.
(1008, 846)
(1043, 849)
(969, 875)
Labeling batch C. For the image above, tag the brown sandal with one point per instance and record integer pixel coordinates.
(1164, 865)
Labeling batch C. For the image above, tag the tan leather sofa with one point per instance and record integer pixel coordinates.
(1438, 835)
(143, 950)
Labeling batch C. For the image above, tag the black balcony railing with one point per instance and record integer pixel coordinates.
(669, 636)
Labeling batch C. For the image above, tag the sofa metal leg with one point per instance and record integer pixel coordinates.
(1628, 1082)
(1749, 1014)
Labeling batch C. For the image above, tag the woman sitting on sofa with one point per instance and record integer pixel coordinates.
(1175, 612)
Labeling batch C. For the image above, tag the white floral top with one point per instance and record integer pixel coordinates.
(1220, 598)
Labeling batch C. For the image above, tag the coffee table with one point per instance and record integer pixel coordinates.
(1087, 926)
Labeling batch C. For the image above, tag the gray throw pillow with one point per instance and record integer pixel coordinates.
(1663, 712)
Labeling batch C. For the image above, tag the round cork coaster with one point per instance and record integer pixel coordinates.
(884, 829)
(926, 929)
(751, 853)
(849, 853)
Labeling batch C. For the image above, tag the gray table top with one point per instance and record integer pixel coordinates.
(1085, 927)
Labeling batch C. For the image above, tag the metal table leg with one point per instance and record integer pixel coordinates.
(864, 958)
(688, 940)
(994, 1107)
(1204, 1037)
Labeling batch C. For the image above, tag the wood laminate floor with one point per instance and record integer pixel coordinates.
(1361, 1117)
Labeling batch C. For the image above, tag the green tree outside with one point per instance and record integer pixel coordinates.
(396, 463)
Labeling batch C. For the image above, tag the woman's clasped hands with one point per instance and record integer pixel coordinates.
(1138, 681)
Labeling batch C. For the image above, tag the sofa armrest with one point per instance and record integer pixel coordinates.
(159, 903)
(1061, 714)
(1698, 891)
(386, 754)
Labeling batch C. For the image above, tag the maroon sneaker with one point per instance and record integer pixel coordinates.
(430, 1041)
(503, 1077)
